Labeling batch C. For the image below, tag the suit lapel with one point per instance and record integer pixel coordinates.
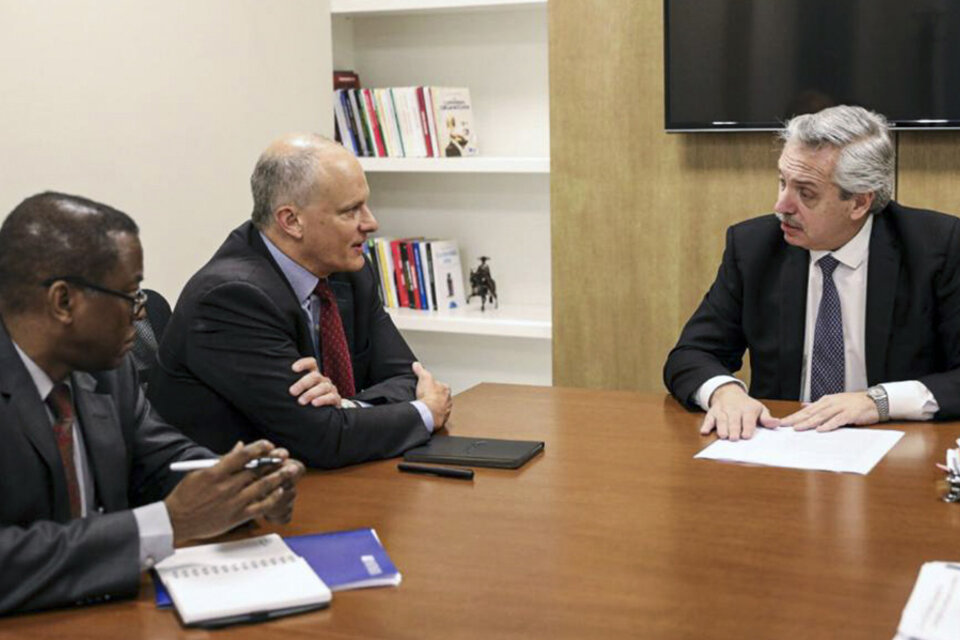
(17, 387)
(793, 305)
(305, 339)
(103, 440)
(883, 268)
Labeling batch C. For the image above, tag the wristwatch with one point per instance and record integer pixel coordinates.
(879, 396)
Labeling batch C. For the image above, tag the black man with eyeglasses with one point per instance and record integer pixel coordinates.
(87, 498)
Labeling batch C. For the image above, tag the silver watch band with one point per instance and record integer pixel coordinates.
(879, 396)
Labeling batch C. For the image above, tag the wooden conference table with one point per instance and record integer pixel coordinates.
(615, 531)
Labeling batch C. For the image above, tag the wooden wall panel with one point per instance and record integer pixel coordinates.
(638, 215)
(929, 170)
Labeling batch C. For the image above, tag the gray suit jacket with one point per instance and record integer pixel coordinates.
(47, 559)
(224, 362)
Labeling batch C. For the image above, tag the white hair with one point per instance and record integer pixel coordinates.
(866, 163)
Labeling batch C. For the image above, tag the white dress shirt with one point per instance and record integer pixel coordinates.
(153, 521)
(909, 399)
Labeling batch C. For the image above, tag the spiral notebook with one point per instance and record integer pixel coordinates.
(352, 559)
(250, 580)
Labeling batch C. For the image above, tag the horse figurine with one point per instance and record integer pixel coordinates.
(483, 285)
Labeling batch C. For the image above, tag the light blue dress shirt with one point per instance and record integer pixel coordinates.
(303, 283)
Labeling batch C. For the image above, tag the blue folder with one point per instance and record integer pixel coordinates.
(343, 560)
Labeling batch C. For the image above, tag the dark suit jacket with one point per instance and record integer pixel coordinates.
(47, 559)
(758, 302)
(224, 363)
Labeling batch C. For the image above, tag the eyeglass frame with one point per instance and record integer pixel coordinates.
(138, 301)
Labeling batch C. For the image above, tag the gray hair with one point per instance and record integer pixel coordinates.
(285, 174)
(866, 163)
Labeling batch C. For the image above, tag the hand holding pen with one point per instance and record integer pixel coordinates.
(215, 499)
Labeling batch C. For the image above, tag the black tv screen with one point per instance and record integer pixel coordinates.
(751, 64)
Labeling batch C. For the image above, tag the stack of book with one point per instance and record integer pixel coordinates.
(405, 122)
(416, 273)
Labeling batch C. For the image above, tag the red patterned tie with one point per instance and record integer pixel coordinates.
(62, 407)
(333, 342)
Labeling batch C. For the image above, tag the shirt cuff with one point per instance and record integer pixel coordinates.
(156, 534)
(707, 388)
(425, 414)
(910, 400)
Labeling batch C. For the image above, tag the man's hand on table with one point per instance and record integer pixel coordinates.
(734, 414)
(434, 394)
(833, 411)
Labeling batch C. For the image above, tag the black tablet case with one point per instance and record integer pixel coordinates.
(475, 452)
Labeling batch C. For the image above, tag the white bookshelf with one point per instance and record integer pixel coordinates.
(354, 8)
(496, 204)
(509, 321)
(481, 164)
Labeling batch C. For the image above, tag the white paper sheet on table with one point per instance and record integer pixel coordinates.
(850, 450)
(933, 610)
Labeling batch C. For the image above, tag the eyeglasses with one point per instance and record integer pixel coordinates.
(138, 301)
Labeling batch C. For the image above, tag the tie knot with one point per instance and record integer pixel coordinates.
(60, 402)
(827, 264)
(323, 291)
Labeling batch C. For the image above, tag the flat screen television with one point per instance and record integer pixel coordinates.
(751, 64)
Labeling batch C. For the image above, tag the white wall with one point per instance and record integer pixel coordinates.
(157, 108)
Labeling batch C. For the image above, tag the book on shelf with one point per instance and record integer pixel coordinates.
(405, 122)
(346, 132)
(363, 135)
(410, 266)
(447, 274)
(417, 273)
(344, 79)
(421, 282)
(343, 560)
(373, 121)
(215, 585)
(454, 121)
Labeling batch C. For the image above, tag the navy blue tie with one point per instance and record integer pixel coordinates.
(828, 364)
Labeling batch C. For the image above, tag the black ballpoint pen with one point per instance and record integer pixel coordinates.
(445, 472)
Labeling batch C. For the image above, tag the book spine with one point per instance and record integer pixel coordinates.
(351, 124)
(417, 259)
(408, 275)
(402, 299)
(431, 276)
(415, 118)
(393, 121)
(412, 124)
(415, 275)
(358, 122)
(424, 122)
(432, 120)
(371, 114)
(400, 103)
(388, 140)
(386, 267)
(343, 126)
